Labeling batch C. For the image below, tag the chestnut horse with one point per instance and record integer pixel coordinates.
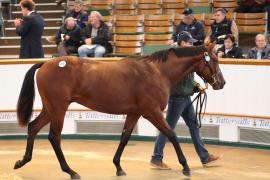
(135, 86)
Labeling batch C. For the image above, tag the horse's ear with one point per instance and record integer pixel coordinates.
(210, 45)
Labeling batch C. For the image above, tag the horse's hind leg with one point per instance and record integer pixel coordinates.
(131, 121)
(159, 122)
(33, 128)
(55, 140)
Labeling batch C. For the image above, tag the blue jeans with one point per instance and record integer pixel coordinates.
(98, 51)
(181, 106)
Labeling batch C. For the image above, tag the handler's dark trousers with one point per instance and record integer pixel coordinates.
(181, 106)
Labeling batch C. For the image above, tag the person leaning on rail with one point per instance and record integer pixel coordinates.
(180, 105)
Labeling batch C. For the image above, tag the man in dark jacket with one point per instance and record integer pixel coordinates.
(95, 36)
(191, 25)
(30, 28)
(78, 13)
(180, 105)
(261, 50)
(221, 27)
(229, 49)
(68, 37)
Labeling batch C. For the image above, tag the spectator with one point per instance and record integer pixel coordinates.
(221, 27)
(191, 25)
(78, 13)
(95, 36)
(262, 50)
(229, 49)
(250, 6)
(30, 28)
(68, 37)
(180, 105)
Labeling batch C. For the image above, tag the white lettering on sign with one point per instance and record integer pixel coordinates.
(207, 119)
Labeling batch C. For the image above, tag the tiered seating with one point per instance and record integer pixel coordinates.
(124, 7)
(131, 33)
(230, 5)
(10, 42)
(200, 6)
(109, 20)
(252, 22)
(173, 6)
(157, 25)
(149, 7)
(105, 6)
(128, 38)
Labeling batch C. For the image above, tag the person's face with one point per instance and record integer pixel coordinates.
(24, 11)
(219, 17)
(188, 19)
(94, 19)
(77, 7)
(261, 42)
(186, 44)
(228, 43)
(70, 24)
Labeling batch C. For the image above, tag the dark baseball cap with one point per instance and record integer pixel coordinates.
(185, 36)
(188, 11)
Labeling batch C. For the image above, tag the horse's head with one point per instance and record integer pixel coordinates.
(209, 70)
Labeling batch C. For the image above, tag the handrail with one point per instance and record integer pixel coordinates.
(206, 113)
(221, 61)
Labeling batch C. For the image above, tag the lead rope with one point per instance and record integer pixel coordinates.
(200, 105)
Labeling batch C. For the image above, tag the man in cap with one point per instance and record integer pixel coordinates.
(191, 25)
(180, 105)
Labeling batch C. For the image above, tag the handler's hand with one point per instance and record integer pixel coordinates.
(200, 88)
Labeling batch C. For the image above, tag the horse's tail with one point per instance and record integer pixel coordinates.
(27, 96)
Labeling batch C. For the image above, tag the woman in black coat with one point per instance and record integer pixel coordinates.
(229, 48)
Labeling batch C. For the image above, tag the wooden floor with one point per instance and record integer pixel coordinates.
(93, 161)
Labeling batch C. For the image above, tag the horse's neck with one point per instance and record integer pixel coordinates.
(178, 68)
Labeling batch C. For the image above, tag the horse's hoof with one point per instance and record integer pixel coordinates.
(75, 176)
(186, 172)
(121, 173)
(18, 164)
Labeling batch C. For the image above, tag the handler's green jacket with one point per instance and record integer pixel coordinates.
(186, 87)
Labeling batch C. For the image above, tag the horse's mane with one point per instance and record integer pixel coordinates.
(162, 55)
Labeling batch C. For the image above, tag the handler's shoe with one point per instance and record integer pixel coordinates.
(211, 159)
(159, 165)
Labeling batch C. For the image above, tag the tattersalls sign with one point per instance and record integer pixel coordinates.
(250, 122)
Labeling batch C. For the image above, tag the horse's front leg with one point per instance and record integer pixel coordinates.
(158, 120)
(131, 121)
